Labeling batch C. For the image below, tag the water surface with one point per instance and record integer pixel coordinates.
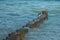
(15, 14)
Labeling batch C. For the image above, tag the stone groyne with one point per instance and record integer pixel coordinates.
(19, 34)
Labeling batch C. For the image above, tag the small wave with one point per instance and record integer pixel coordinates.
(10, 4)
(23, 3)
(11, 14)
(52, 14)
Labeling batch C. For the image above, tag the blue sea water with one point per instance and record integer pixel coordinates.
(15, 14)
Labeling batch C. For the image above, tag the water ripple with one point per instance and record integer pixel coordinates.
(11, 14)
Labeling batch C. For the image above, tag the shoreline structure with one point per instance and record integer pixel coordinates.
(19, 34)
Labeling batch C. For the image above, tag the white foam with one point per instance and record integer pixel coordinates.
(26, 28)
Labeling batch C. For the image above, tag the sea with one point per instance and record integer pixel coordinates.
(15, 13)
